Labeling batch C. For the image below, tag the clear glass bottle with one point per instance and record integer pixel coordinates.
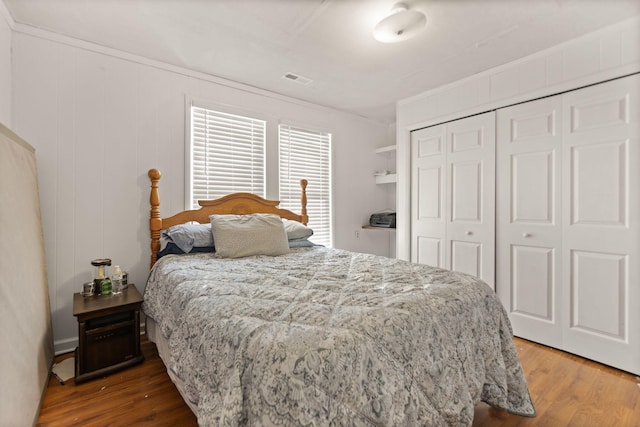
(116, 280)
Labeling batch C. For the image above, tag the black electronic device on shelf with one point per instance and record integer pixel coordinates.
(383, 220)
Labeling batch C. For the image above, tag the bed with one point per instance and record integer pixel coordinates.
(321, 336)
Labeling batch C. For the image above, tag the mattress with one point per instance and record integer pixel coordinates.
(328, 337)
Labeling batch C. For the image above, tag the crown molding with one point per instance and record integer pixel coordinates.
(142, 60)
(4, 12)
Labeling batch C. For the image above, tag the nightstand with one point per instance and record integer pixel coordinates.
(108, 332)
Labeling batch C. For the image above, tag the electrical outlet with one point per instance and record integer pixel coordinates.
(358, 234)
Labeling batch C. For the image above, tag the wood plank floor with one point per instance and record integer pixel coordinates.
(142, 395)
(567, 391)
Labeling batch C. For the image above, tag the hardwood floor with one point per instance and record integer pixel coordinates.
(567, 391)
(142, 395)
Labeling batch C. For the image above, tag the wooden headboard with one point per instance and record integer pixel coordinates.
(236, 203)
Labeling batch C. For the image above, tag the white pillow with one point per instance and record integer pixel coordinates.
(296, 230)
(238, 236)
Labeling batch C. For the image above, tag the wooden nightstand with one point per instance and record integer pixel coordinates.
(108, 332)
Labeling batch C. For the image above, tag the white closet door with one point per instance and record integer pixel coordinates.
(470, 243)
(453, 195)
(601, 223)
(428, 170)
(529, 236)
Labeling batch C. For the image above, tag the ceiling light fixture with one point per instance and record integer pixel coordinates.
(401, 24)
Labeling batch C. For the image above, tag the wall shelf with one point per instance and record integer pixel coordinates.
(387, 150)
(391, 178)
(371, 227)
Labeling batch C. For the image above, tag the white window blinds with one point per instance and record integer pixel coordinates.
(227, 155)
(307, 154)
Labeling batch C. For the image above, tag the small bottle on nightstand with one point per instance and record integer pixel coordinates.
(116, 280)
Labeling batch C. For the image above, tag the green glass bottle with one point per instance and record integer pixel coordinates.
(105, 286)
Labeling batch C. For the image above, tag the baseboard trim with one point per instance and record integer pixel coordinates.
(65, 346)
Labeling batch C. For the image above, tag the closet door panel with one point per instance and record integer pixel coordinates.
(466, 192)
(431, 197)
(593, 311)
(428, 225)
(601, 225)
(471, 196)
(466, 257)
(533, 282)
(529, 237)
(453, 196)
(429, 251)
(465, 250)
(599, 182)
(532, 184)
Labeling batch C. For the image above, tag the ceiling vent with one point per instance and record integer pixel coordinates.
(297, 78)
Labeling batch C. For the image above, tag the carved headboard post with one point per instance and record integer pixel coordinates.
(155, 222)
(303, 201)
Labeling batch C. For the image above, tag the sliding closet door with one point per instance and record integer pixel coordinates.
(568, 209)
(471, 156)
(453, 195)
(428, 172)
(529, 235)
(601, 226)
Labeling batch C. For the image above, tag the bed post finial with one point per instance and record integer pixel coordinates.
(155, 223)
(303, 201)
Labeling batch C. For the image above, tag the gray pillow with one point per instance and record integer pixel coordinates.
(245, 235)
(188, 236)
(296, 230)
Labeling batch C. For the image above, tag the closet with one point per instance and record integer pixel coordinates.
(568, 213)
(453, 182)
(545, 197)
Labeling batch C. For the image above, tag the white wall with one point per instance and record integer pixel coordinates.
(605, 54)
(5, 65)
(99, 119)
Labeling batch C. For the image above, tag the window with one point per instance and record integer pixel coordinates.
(227, 155)
(307, 154)
(230, 153)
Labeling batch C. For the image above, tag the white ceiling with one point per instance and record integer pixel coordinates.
(256, 42)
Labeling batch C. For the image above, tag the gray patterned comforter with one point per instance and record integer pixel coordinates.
(326, 337)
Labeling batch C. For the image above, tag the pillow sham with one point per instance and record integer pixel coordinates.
(296, 230)
(239, 236)
(188, 236)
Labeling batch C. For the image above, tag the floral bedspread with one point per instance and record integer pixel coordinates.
(325, 337)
